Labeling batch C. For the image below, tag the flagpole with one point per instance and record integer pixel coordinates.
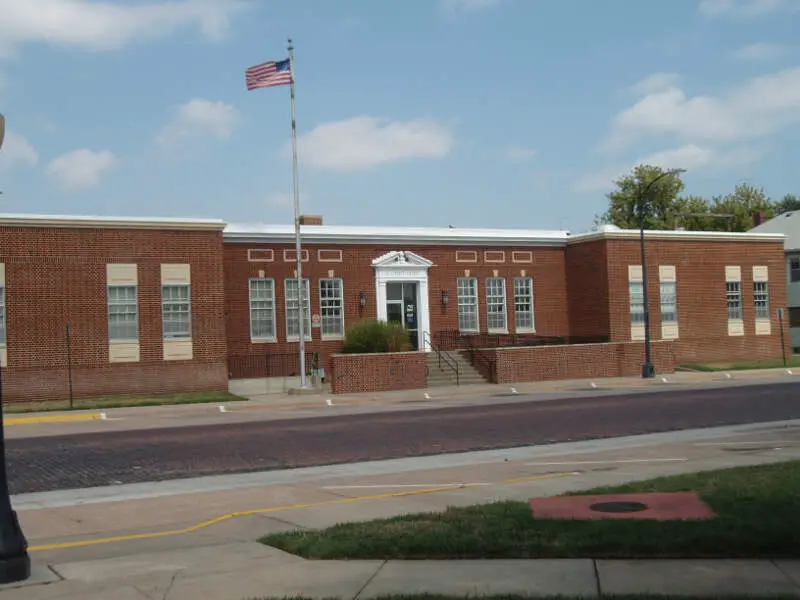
(298, 246)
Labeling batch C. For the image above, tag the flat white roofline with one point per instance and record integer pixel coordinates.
(69, 221)
(677, 235)
(399, 235)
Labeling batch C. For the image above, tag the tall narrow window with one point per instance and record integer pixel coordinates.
(262, 309)
(496, 304)
(331, 306)
(468, 304)
(669, 302)
(794, 269)
(636, 292)
(734, 295)
(176, 311)
(2, 314)
(293, 309)
(123, 313)
(761, 299)
(523, 304)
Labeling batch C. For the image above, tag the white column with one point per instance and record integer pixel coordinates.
(380, 297)
(424, 314)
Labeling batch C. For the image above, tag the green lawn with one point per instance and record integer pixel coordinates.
(122, 401)
(758, 512)
(791, 362)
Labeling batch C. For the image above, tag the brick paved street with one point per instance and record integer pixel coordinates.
(85, 460)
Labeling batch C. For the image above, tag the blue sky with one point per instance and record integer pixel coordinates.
(497, 113)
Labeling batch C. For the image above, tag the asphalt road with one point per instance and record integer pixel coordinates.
(99, 459)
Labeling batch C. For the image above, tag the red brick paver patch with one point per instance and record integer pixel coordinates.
(657, 506)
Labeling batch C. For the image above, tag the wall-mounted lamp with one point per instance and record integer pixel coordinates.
(444, 298)
(362, 299)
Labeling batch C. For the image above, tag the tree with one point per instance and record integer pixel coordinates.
(661, 202)
(742, 203)
(789, 203)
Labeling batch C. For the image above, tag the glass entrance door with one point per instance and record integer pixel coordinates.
(402, 307)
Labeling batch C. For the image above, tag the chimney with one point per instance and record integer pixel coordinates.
(310, 219)
(758, 218)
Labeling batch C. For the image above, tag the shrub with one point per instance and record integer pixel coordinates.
(371, 336)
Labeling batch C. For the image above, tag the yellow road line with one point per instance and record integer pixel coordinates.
(261, 511)
(51, 419)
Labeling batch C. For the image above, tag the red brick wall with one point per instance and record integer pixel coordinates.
(580, 361)
(702, 304)
(547, 271)
(355, 373)
(56, 276)
(587, 288)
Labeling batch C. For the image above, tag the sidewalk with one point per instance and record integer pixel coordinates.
(323, 404)
(248, 570)
(196, 541)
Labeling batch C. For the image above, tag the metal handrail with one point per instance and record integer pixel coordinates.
(449, 360)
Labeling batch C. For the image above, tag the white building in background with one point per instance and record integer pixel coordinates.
(789, 225)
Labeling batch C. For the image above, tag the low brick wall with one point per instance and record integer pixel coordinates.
(579, 361)
(354, 373)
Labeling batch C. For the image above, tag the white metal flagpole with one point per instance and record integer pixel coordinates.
(298, 245)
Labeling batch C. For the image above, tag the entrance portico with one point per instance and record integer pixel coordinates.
(401, 292)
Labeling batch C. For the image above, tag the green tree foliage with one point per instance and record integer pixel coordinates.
(646, 189)
(788, 203)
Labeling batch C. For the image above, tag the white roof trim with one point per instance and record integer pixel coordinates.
(401, 258)
(395, 235)
(83, 222)
(676, 235)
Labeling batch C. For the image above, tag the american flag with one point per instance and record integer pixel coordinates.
(269, 74)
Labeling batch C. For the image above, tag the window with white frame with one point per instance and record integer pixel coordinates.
(734, 296)
(123, 313)
(636, 292)
(468, 304)
(669, 302)
(331, 307)
(293, 309)
(2, 314)
(496, 304)
(794, 269)
(262, 309)
(523, 303)
(176, 311)
(761, 299)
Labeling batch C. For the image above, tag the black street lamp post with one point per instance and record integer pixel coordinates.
(15, 564)
(648, 369)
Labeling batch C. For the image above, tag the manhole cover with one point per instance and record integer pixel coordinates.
(618, 507)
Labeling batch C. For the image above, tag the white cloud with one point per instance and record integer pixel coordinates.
(198, 120)
(760, 51)
(17, 150)
(519, 154)
(108, 25)
(81, 169)
(690, 157)
(760, 107)
(363, 142)
(656, 82)
(466, 6)
(745, 8)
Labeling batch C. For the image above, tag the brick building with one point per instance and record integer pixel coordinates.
(167, 305)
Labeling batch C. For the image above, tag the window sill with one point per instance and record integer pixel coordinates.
(525, 331)
(332, 338)
(297, 339)
(463, 332)
(497, 331)
(136, 341)
(263, 340)
(177, 339)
